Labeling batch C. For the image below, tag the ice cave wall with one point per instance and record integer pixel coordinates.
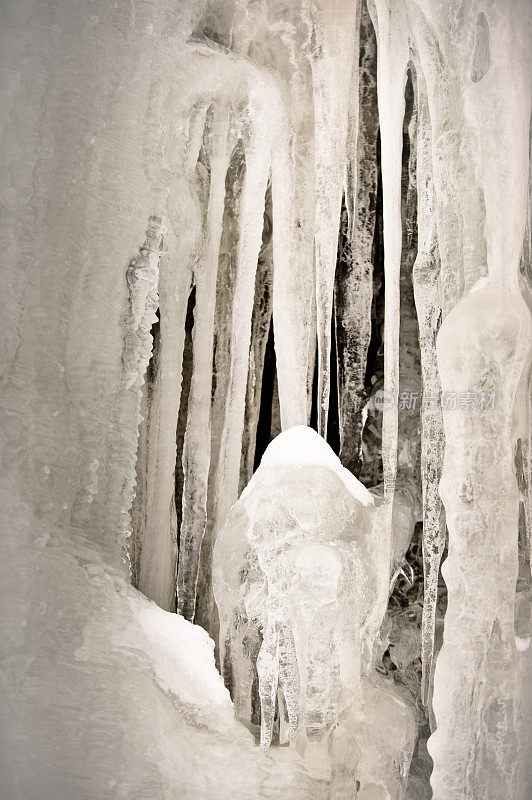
(153, 153)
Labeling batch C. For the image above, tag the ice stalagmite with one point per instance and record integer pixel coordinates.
(294, 579)
(481, 509)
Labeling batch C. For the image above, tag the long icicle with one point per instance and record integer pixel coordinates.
(158, 559)
(354, 278)
(196, 452)
(392, 62)
(331, 71)
(428, 304)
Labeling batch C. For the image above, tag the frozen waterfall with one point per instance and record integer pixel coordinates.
(265, 409)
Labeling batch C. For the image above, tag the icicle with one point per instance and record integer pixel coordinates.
(407, 505)
(331, 70)
(292, 277)
(142, 277)
(253, 193)
(158, 533)
(289, 678)
(196, 452)
(268, 672)
(354, 279)
(223, 322)
(428, 304)
(158, 560)
(392, 60)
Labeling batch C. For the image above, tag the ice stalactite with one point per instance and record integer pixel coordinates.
(335, 53)
(196, 452)
(257, 150)
(426, 274)
(225, 289)
(458, 198)
(156, 516)
(392, 61)
(142, 278)
(292, 218)
(354, 273)
(406, 500)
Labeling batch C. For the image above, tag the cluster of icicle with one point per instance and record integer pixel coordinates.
(253, 147)
(232, 130)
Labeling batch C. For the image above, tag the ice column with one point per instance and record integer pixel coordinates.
(483, 346)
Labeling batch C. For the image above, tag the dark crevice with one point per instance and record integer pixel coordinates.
(264, 426)
(370, 468)
(333, 421)
(183, 406)
(313, 422)
(375, 360)
(153, 364)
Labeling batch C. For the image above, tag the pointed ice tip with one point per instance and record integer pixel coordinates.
(265, 742)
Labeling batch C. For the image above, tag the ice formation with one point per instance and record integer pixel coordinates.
(295, 579)
(224, 220)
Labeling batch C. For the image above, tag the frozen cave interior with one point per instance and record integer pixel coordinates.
(265, 418)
